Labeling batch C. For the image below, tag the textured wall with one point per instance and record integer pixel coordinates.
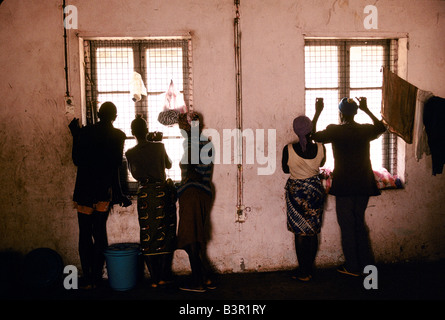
(37, 175)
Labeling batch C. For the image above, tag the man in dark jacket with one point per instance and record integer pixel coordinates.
(353, 180)
(97, 153)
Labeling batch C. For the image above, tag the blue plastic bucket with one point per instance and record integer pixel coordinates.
(122, 265)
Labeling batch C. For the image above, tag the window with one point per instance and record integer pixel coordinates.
(350, 68)
(109, 67)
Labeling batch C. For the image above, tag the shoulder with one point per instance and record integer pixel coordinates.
(286, 149)
(372, 128)
(333, 127)
(88, 129)
(156, 144)
(330, 128)
(327, 134)
(119, 133)
(287, 146)
(364, 125)
(130, 152)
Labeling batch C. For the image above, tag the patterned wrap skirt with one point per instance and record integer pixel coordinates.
(157, 217)
(304, 204)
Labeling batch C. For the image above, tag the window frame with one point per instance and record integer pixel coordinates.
(390, 45)
(139, 47)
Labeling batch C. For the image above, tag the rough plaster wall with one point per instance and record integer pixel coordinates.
(37, 175)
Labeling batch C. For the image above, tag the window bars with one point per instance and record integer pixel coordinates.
(350, 68)
(109, 67)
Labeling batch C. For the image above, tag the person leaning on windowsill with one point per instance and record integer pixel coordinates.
(353, 180)
(156, 202)
(305, 195)
(97, 152)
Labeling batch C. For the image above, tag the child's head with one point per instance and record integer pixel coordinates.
(139, 127)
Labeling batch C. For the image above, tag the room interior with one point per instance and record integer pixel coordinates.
(245, 65)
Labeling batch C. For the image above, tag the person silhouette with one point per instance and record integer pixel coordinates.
(305, 194)
(156, 202)
(97, 152)
(353, 180)
(195, 195)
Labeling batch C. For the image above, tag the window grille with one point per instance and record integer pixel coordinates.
(109, 66)
(335, 69)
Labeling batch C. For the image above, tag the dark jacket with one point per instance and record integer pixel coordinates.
(352, 173)
(97, 153)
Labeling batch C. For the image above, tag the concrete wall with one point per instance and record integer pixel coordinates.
(37, 174)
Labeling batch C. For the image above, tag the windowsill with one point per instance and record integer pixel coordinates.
(384, 180)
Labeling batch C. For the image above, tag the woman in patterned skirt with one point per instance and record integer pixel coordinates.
(305, 194)
(156, 202)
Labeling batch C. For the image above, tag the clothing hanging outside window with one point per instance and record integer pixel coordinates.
(399, 105)
(433, 115)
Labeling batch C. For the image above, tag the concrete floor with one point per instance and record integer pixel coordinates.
(403, 288)
(402, 281)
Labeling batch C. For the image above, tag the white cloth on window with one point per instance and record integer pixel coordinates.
(137, 87)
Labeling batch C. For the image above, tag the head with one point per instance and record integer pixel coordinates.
(107, 112)
(302, 127)
(139, 128)
(348, 109)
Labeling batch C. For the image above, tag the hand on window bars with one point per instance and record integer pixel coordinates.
(319, 105)
(363, 105)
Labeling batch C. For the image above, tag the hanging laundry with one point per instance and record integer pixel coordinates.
(174, 105)
(420, 139)
(399, 105)
(433, 117)
(174, 99)
(137, 87)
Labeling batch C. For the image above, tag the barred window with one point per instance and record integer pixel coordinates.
(335, 69)
(109, 67)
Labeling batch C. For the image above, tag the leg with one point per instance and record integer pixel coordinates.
(313, 249)
(306, 248)
(193, 251)
(301, 255)
(166, 267)
(100, 243)
(346, 221)
(86, 248)
(364, 251)
(153, 265)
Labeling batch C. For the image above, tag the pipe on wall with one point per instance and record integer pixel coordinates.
(240, 217)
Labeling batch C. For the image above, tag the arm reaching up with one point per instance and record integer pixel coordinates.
(319, 105)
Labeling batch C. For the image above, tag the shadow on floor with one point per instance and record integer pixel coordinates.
(402, 281)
